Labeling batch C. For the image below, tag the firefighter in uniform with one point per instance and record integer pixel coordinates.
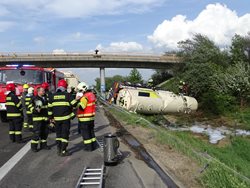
(86, 115)
(28, 100)
(61, 104)
(14, 113)
(39, 109)
(45, 86)
(23, 96)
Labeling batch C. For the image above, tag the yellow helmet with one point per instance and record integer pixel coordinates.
(25, 86)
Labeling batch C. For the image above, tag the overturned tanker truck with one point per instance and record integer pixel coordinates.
(151, 101)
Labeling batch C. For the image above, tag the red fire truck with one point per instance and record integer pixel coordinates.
(32, 75)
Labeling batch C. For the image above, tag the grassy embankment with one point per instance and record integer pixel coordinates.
(228, 166)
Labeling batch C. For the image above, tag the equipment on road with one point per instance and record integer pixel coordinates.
(91, 177)
(111, 145)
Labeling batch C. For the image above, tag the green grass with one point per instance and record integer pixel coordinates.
(235, 155)
(242, 117)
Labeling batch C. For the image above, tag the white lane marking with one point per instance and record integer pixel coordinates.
(13, 160)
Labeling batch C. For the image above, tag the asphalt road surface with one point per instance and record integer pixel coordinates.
(46, 169)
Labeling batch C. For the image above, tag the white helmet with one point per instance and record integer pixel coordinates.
(31, 90)
(38, 104)
(82, 87)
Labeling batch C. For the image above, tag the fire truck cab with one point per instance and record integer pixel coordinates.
(25, 74)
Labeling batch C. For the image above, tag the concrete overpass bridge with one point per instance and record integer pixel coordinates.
(91, 60)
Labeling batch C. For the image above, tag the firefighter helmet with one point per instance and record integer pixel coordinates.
(82, 87)
(45, 85)
(25, 86)
(62, 83)
(11, 87)
(31, 90)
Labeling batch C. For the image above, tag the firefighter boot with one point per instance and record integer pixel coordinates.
(34, 147)
(59, 147)
(65, 153)
(44, 145)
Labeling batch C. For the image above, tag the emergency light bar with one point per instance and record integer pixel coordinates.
(20, 65)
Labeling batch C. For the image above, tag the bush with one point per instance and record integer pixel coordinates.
(218, 103)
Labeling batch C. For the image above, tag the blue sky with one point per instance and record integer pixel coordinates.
(142, 26)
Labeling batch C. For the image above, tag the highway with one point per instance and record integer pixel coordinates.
(46, 169)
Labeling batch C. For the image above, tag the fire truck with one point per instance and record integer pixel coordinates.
(25, 74)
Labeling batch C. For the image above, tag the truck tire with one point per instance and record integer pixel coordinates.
(3, 116)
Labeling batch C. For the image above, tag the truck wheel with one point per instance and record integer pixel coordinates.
(3, 116)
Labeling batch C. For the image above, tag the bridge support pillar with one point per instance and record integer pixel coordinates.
(102, 81)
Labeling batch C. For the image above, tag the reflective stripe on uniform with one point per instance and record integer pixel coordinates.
(19, 104)
(13, 114)
(39, 118)
(43, 141)
(64, 140)
(87, 141)
(60, 104)
(50, 113)
(73, 102)
(49, 105)
(10, 104)
(34, 142)
(91, 104)
(18, 132)
(58, 139)
(8, 98)
(86, 115)
(11, 132)
(93, 139)
(31, 126)
(26, 103)
(59, 97)
(86, 119)
(62, 118)
(28, 112)
(44, 107)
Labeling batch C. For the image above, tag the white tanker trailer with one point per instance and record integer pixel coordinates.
(148, 101)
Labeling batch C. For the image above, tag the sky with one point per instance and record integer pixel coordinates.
(117, 26)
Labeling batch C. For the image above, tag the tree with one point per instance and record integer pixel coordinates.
(135, 76)
(161, 75)
(240, 49)
(202, 50)
(200, 78)
(235, 81)
(109, 81)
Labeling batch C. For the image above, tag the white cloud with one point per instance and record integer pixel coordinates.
(216, 21)
(58, 51)
(82, 8)
(121, 47)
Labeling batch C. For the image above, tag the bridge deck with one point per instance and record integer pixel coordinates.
(78, 60)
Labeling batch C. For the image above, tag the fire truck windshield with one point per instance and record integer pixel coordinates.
(21, 76)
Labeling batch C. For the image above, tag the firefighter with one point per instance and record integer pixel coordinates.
(86, 115)
(45, 86)
(61, 105)
(25, 116)
(28, 100)
(39, 109)
(14, 113)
